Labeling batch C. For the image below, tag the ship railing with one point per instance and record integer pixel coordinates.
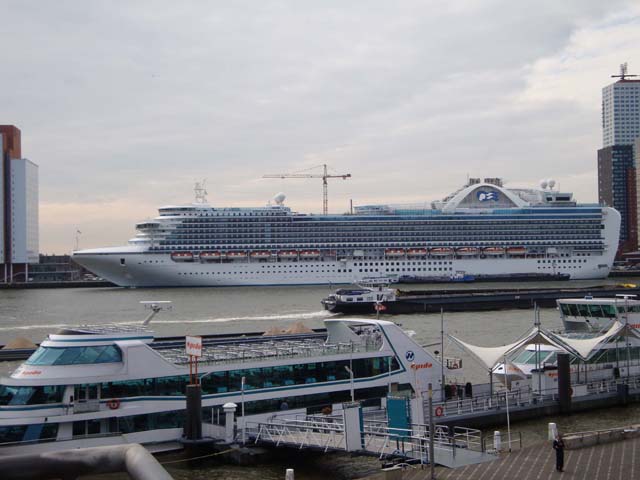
(299, 351)
(55, 439)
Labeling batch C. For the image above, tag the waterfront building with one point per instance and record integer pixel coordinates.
(19, 238)
(617, 188)
(616, 163)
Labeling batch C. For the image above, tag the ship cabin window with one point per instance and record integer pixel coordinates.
(25, 433)
(122, 261)
(75, 355)
(10, 395)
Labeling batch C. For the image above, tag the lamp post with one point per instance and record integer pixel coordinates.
(244, 421)
(353, 398)
(506, 399)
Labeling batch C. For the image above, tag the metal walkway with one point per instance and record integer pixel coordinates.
(452, 447)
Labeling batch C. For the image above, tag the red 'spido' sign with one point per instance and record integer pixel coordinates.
(194, 346)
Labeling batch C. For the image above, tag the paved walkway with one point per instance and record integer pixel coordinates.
(617, 460)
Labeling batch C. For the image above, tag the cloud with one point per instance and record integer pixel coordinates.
(125, 106)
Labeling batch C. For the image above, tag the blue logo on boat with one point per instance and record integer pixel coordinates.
(487, 196)
(410, 356)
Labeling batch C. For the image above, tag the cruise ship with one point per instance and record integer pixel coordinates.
(482, 229)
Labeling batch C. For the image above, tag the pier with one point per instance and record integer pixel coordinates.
(619, 460)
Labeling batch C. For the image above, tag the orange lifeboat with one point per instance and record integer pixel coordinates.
(417, 252)
(260, 254)
(209, 256)
(493, 251)
(394, 252)
(516, 250)
(182, 257)
(288, 254)
(309, 253)
(236, 254)
(441, 251)
(466, 251)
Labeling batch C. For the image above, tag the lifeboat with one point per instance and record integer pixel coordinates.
(516, 250)
(309, 253)
(493, 251)
(236, 254)
(466, 251)
(208, 256)
(440, 251)
(260, 254)
(394, 252)
(288, 254)
(417, 252)
(182, 257)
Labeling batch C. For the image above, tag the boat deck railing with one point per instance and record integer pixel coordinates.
(523, 397)
(270, 350)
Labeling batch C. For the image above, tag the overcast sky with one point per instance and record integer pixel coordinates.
(124, 105)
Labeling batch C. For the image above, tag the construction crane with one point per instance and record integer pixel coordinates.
(324, 176)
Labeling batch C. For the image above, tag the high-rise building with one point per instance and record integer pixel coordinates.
(19, 238)
(616, 159)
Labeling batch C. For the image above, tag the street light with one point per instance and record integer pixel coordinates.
(244, 421)
(353, 399)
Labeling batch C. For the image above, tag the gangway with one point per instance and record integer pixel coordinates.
(454, 447)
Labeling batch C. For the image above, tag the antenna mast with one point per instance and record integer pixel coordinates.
(623, 72)
(201, 192)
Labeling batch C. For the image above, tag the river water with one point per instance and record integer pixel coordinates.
(35, 313)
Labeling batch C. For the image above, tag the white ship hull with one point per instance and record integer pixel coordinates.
(158, 270)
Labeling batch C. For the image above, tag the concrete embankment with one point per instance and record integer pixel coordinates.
(74, 284)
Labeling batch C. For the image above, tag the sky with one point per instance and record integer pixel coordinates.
(125, 105)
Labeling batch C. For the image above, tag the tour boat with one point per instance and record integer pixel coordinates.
(89, 386)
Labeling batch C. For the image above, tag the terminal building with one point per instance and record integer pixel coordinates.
(19, 235)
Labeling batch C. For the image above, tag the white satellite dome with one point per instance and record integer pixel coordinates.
(279, 198)
(551, 182)
(543, 184)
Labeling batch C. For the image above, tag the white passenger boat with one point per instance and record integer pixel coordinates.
(514, 232)
(103, 385)
(589, 314)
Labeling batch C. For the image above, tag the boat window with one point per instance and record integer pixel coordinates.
(75, 355)
(524, 356)
(574, 310)
(565, 309)
(609, 311)
(19, 433)
(255, 378)
(10, 395)
(551, 359)
(595, 310)
(583, 310)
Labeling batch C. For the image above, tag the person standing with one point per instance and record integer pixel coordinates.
(558, 446)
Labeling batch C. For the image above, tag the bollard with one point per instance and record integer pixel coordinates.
(553, 431)
(229, 423)
(289, 474)
(497, 441)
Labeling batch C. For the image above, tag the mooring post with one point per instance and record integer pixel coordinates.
(564, 382)
(229, 421)
(193, 426)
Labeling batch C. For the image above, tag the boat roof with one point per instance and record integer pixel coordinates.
(621, 301)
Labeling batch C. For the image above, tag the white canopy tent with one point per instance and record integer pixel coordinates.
(581, 348)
